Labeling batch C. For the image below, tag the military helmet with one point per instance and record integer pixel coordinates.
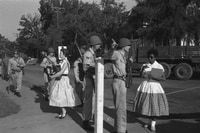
(95, 40)
(50, 50)
(124, 42)
(16, 51)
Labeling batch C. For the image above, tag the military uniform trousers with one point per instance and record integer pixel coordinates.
(119, 97)
(89, 99)
(16, 78)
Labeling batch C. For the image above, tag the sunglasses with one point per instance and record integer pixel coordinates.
(151, 57)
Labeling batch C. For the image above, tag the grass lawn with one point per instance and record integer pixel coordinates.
(7, 106)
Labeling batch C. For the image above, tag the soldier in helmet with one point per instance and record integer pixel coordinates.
(119, 58)
(89, 69)
(15, 67)
(47, 63)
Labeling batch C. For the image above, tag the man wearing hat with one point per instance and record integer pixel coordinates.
(89, 69)
(119, 58)
(15, 66)
(47, 64)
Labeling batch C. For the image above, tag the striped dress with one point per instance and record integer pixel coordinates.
(150, 99)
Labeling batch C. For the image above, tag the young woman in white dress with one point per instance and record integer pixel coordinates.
(61, 92)
(150, 99)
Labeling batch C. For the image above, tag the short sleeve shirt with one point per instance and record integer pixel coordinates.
(119, 63)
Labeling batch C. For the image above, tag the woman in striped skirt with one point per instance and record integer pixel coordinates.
(150, 99)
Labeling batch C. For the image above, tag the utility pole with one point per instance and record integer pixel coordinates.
(57, 9)
(17, 36)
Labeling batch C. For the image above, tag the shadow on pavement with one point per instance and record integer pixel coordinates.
(74, 113)
(182, 116)
(175, 126)
(44, 105)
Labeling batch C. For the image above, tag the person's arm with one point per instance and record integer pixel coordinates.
(76, 71)
(161, 78)
(58, 74)
(22, 63)
(43, 63)
(114, 57)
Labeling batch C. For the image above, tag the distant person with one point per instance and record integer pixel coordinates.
(89, 91)
(79, 74)
(150, 99)
(4, 68)
(15, 70)
(1, 66)
(119, 58)
(47, 64)
(61, 92)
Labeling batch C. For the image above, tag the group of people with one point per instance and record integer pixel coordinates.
(150, 99)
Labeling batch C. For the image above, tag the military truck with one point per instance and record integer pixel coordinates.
(178, 61)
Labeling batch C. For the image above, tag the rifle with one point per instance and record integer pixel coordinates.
(55, 68)
(75, 42)
(129, 66)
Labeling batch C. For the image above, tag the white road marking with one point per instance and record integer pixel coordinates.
(188, 89)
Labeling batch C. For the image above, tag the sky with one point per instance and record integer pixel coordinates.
(12, 10)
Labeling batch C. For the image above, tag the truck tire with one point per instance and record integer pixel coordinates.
(167, 69)
(183, 71)
(108, 71)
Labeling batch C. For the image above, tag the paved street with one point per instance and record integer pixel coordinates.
(36, 116)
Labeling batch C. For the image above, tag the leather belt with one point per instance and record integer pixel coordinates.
(119, 77)
(64, 74)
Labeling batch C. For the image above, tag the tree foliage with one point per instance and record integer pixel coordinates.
(61, 22)
(30, 36)
(162, 20)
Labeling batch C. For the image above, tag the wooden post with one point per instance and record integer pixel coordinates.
(99, 96)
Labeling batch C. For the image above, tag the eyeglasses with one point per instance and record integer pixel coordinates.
(151, 57)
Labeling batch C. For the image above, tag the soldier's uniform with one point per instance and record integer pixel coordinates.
(15, 66)
(119, 87)
(47, 65)
(89, 68)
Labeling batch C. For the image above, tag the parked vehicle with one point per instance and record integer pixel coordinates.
(179, 61)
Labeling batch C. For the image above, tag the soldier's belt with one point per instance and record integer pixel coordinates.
(119, 77)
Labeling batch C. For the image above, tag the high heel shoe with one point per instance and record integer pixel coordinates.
(63, 115)
(59, 116)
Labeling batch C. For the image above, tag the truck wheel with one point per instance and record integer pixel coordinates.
(108, 71)
(183, 71)
(167, 69)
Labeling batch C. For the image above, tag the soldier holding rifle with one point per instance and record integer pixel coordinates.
(119, 58)
(47, 63)
(15, 68)
(89, 69)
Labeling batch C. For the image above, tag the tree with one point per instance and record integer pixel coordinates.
(30, 35)
(76, 17)
(160, 20)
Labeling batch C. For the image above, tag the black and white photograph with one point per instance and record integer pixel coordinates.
(99, 66)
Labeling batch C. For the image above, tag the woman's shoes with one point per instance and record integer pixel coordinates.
(151, 128)
(61, 115)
